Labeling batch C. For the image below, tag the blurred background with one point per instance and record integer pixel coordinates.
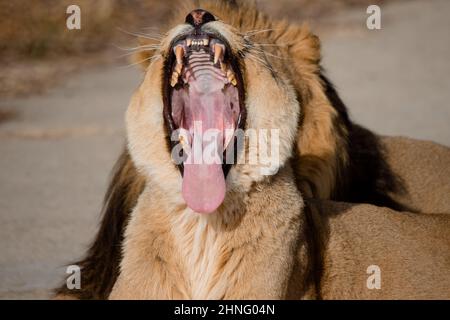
(63, 94)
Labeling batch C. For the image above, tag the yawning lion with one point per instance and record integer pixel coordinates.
(337, 200)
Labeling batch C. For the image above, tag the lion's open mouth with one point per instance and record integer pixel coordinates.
(203, 106)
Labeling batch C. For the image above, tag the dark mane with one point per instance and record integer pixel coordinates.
(100, 266)
(367, 178)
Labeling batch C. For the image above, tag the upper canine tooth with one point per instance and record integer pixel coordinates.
(178, 68)
(179, 53)
(218, 52)
(189, 42)
(174, 79)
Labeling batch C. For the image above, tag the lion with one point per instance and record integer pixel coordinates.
(339, 200)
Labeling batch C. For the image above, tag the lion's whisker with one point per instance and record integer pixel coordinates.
(156, 29)
(142, 48)
(134, 52)
(263, 62)
(273, 44)
(254, 32)
(142, 61)
(141, 35)
(265, 53)
(274, 56)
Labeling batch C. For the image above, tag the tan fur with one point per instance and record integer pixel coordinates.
(187, 256)
(412, 251)
(424, 167)
(263, 243)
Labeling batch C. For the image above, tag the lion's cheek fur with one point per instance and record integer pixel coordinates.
(146, 137)
(271, 104)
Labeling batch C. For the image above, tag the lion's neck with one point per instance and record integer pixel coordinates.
(232, 254)
(202, 248)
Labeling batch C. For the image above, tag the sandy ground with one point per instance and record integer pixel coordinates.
(56, 150)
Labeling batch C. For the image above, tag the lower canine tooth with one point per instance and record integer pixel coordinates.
(231, 77)
(184, 141)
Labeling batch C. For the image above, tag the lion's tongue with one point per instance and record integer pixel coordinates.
(203, 180)
(203, 187)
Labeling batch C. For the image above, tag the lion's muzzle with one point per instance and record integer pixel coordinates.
(205, 108)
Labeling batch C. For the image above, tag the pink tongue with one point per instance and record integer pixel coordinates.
(203, 187)
(203, 180)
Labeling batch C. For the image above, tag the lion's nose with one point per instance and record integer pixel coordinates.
(199, 17)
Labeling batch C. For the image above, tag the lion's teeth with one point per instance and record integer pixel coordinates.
(183, 139)
(178, 68)
(231, 77)
(197, 42)
(174, 79)
(229, 73)
(173, 82)
(179, 53)
(219, 50)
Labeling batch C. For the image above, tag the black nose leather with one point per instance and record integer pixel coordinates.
(199, 17)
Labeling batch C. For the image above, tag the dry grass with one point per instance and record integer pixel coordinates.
(37, 29)
(36, 46)
(37, 50)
